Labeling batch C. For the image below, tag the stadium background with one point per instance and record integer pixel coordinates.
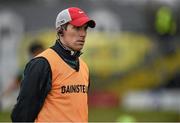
(134, 60)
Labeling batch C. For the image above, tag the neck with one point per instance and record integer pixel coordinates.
(72, 52)
(61, 41)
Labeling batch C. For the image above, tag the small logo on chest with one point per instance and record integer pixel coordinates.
(74, 89)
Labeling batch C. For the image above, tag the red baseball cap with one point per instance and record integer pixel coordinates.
(74, 16)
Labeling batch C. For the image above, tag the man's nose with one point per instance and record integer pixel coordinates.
(82, 33)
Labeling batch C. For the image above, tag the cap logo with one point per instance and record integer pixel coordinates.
(61, 22)
(80, 12)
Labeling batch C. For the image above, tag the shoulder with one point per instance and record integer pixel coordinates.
(38, 60)
(38, 64)
(47, 53)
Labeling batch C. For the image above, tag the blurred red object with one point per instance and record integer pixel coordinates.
(103, 99)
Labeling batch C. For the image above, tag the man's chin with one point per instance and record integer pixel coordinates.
(78, 48)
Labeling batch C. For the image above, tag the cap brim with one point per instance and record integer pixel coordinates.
(82, 21)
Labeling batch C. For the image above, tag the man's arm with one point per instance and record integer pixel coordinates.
(34, 88)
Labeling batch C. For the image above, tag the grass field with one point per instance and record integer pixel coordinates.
(111, 114)
(106, 114)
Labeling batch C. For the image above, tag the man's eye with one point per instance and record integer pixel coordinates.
(80, 28)
(77, 28)
(86, 27)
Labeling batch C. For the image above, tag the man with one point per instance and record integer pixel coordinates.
(55, 83)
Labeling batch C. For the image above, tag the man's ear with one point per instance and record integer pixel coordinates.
(60, 32)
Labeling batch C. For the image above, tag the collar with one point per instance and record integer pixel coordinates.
(64, 52)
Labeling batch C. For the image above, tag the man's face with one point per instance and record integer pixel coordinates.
(74, 37)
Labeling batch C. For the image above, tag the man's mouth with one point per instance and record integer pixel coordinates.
(80, 41)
